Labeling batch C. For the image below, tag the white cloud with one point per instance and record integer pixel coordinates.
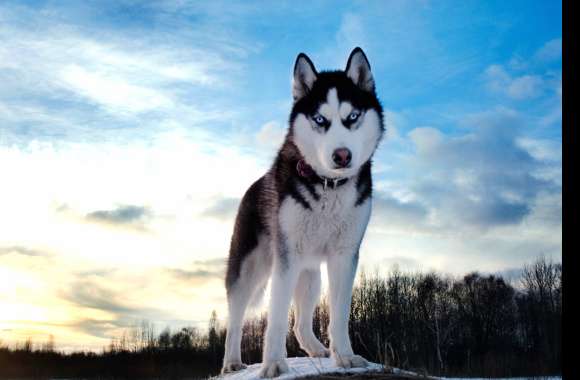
(50, 67)
(392, 121)
(426, 139)
(483, 179)
(484, 200)
(48, 191)
(526, 86)
(551, 51)
(174, 177)
(529, 84)
(114, 94)
(519, 88)
(271, 134)
(497, 76)
(518, 63)
(542, 149)
(62, 77)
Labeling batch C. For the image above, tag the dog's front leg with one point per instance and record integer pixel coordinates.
(284, 277)
(341, 273)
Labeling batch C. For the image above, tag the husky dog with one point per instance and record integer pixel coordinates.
(313, 205)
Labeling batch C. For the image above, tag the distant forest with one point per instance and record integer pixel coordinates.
(478, 325)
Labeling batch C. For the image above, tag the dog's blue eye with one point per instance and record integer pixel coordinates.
(319, 119)
(353, 116)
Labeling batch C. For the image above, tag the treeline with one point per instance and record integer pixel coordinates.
(478, 325)
(137, 353)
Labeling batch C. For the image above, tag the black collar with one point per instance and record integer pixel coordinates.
(305, 171)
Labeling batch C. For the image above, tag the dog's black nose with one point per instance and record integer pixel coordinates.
(341, 157)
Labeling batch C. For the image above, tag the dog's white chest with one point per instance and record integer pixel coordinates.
(332, 224)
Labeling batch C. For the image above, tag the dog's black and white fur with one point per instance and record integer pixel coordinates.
(313, 205)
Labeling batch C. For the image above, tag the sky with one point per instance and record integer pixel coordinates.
(130, 130)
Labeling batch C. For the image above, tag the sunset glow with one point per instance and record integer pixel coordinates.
(129, 133)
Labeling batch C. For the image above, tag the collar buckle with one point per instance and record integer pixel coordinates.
(304, 170)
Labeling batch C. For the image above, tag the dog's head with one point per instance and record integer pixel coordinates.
(337, 119)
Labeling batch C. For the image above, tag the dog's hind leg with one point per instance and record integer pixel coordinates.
(237, 303)
(306, 296)
(252, 279)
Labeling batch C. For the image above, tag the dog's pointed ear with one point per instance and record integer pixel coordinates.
(304, 76)
(358, 69)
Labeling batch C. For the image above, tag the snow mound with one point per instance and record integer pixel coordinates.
(300, 367)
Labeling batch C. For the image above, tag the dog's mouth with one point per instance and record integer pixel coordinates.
(307, 171)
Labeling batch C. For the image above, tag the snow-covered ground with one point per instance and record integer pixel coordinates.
(300, 367)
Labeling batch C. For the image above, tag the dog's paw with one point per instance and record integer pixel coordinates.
(319, 353)
(315, 349)
(233, 367)
(273, 369)
(350, 361)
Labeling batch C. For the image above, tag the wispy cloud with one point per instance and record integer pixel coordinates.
(113, 79)
(25, 251)
(522, 87)
(551, 51)
(224, 209)
(524, 78)
(93, 295)
(125, 214)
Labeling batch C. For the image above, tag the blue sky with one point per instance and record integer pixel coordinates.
(130, 130)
